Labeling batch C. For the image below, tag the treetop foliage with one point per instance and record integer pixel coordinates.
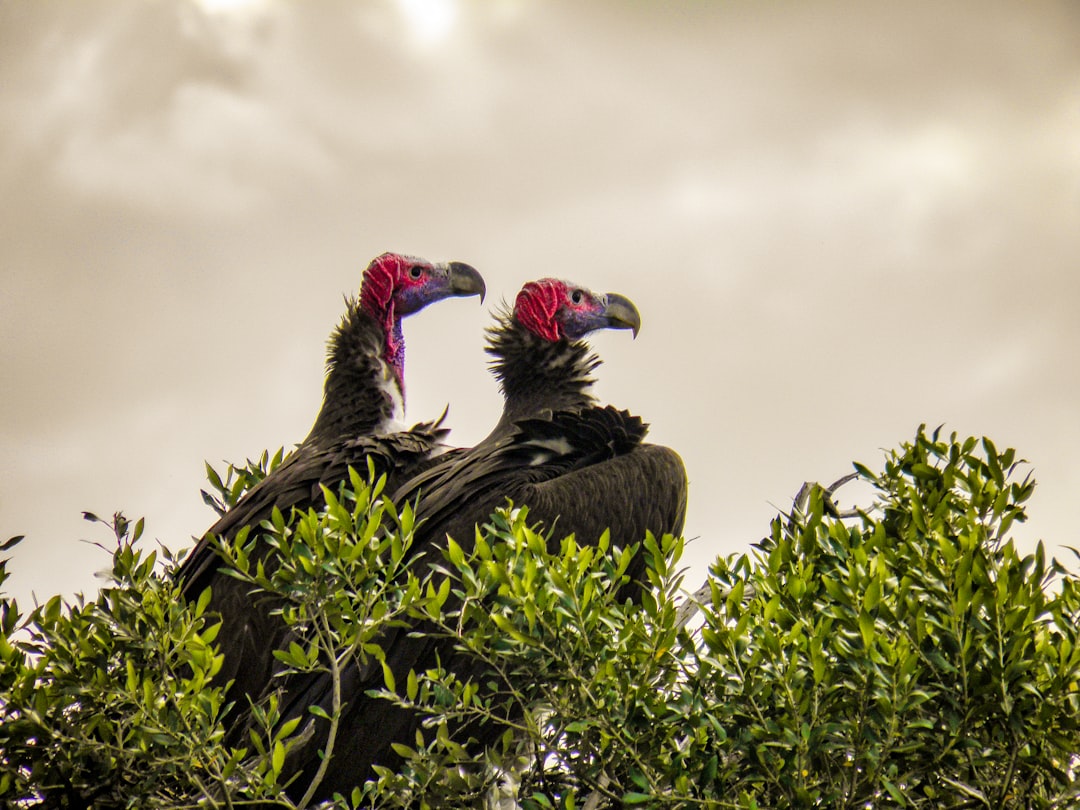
(906, 656)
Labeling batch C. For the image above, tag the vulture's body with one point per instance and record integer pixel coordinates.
(358, 423)
(579, 468)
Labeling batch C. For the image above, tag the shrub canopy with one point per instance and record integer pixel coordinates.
(906, 656)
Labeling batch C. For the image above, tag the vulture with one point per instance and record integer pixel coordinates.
(579, 467)
(363, 403)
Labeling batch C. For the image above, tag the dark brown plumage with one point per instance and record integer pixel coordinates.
(578, 466)
(363, 398)
(553, 448)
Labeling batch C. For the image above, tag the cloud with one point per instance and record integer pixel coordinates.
(838, 221)
(158, 107)
(207, 153)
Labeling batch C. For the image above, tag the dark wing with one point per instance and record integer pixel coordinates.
(295, 484)
(579, 471)
(642, 491)
(249, 633)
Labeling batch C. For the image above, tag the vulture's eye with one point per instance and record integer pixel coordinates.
(415, 272)
(577, 296)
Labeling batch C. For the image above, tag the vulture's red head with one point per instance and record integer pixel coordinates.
(553, 309)
(395, 286)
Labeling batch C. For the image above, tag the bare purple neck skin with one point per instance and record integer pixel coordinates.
(377, 300)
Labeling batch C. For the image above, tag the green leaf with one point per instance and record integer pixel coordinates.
(277, 761)
(454, 552)
(286, 728)
(872, 596)
(866, 628)
(213, 477)
(388, 676)
(203, 601)
(708, 773)
(11, 542)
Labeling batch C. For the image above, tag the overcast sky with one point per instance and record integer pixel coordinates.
(838, 221)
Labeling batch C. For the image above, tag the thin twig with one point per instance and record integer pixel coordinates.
(325, 636)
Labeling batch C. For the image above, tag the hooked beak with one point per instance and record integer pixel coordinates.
(465, 280)
(620, 313)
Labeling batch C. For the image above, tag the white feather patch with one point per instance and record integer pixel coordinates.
(547, 449)
(559, 446)
(395, 422)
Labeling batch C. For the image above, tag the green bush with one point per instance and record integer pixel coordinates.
(906, 656)
(112, 703)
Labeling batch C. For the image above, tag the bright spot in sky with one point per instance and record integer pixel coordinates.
(229, 6)
(430, 21)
